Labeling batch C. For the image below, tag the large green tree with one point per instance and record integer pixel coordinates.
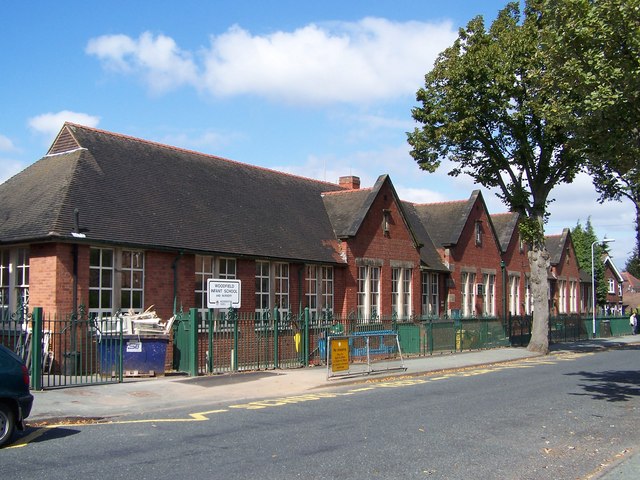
(594, 57)
(583, 238)
(490, 107)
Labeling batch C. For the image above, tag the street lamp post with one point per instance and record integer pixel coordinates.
(593, 283)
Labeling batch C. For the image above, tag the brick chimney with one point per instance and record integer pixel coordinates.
(350, 182)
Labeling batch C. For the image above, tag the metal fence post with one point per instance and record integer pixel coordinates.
(36, 349)
(276, 322)
(236, 339)
(193, 342)
(210, 339)
(305, 347)
(120, 350)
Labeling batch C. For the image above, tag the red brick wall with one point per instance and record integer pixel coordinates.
(469, 257)
(516, 262)
(370, 242)
(159, 282)
(246, 273)
(51, 278)
(567, 270)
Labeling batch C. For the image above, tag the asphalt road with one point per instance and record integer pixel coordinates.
(557, 417)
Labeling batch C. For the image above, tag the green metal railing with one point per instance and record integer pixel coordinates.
(78, 350)
(65, 351)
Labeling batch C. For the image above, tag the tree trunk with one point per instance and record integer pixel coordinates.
(637, 205)
(539, 264)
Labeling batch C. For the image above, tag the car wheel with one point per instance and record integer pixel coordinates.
(7, 423)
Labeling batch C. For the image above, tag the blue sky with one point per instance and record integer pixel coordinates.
(318, 89)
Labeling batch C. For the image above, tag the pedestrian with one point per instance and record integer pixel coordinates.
(633, 322)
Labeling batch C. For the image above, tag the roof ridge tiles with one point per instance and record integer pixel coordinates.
(195, 152)
(348, 190)
(447, 202)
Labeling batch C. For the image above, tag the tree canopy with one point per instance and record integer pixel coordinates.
(490, 106)
(593, 51)
(583, 238)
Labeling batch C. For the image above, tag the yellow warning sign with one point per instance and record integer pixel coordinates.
(339, 354)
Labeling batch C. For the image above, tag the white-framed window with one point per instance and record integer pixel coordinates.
(401, 292)
(478, 232)
(490, 294)
(101, 281)
(368, 292)
(204, 270)
(272, 287)
(430, 298)
(573, 296)
(116, 281)
(319, 290)
(562, 296)
(514, 294)
(586, 297)
(208, 267)
(528, 298)
(612, 285)
(14, 280)
(4, 283)
(281, 286)
(468, 293)
(263, 290)
(132, 287)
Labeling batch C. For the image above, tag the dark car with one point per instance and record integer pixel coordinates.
(15, 399)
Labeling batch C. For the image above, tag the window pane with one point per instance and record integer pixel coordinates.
(137, 299)
(94, 278)
(107, 258)
(105, 299)
(94, 299)
(125, 299)
(137, 279)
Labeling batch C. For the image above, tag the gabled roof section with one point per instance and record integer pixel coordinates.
(505, 225)
(64, 141)
(446, 221)
(633, 283)
(347, 209)
(139, 193)
(556, 244)
(609, 261)
(429, 255)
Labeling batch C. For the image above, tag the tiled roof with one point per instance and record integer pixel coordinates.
(505, 225)
(428, 253)
(555, 244)
(348, 208)
(139, 193)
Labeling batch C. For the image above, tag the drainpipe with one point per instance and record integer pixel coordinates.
(174, 267)
(504, 293)
(300, 273)
(76, 215)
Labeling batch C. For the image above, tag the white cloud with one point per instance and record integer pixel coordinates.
(157, 59)
(49, 124)
(6, 144)
(351, 62)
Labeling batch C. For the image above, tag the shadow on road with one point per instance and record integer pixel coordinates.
(612, 386)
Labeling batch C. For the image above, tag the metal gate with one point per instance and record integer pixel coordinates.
(74, 350)
(228, 341)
